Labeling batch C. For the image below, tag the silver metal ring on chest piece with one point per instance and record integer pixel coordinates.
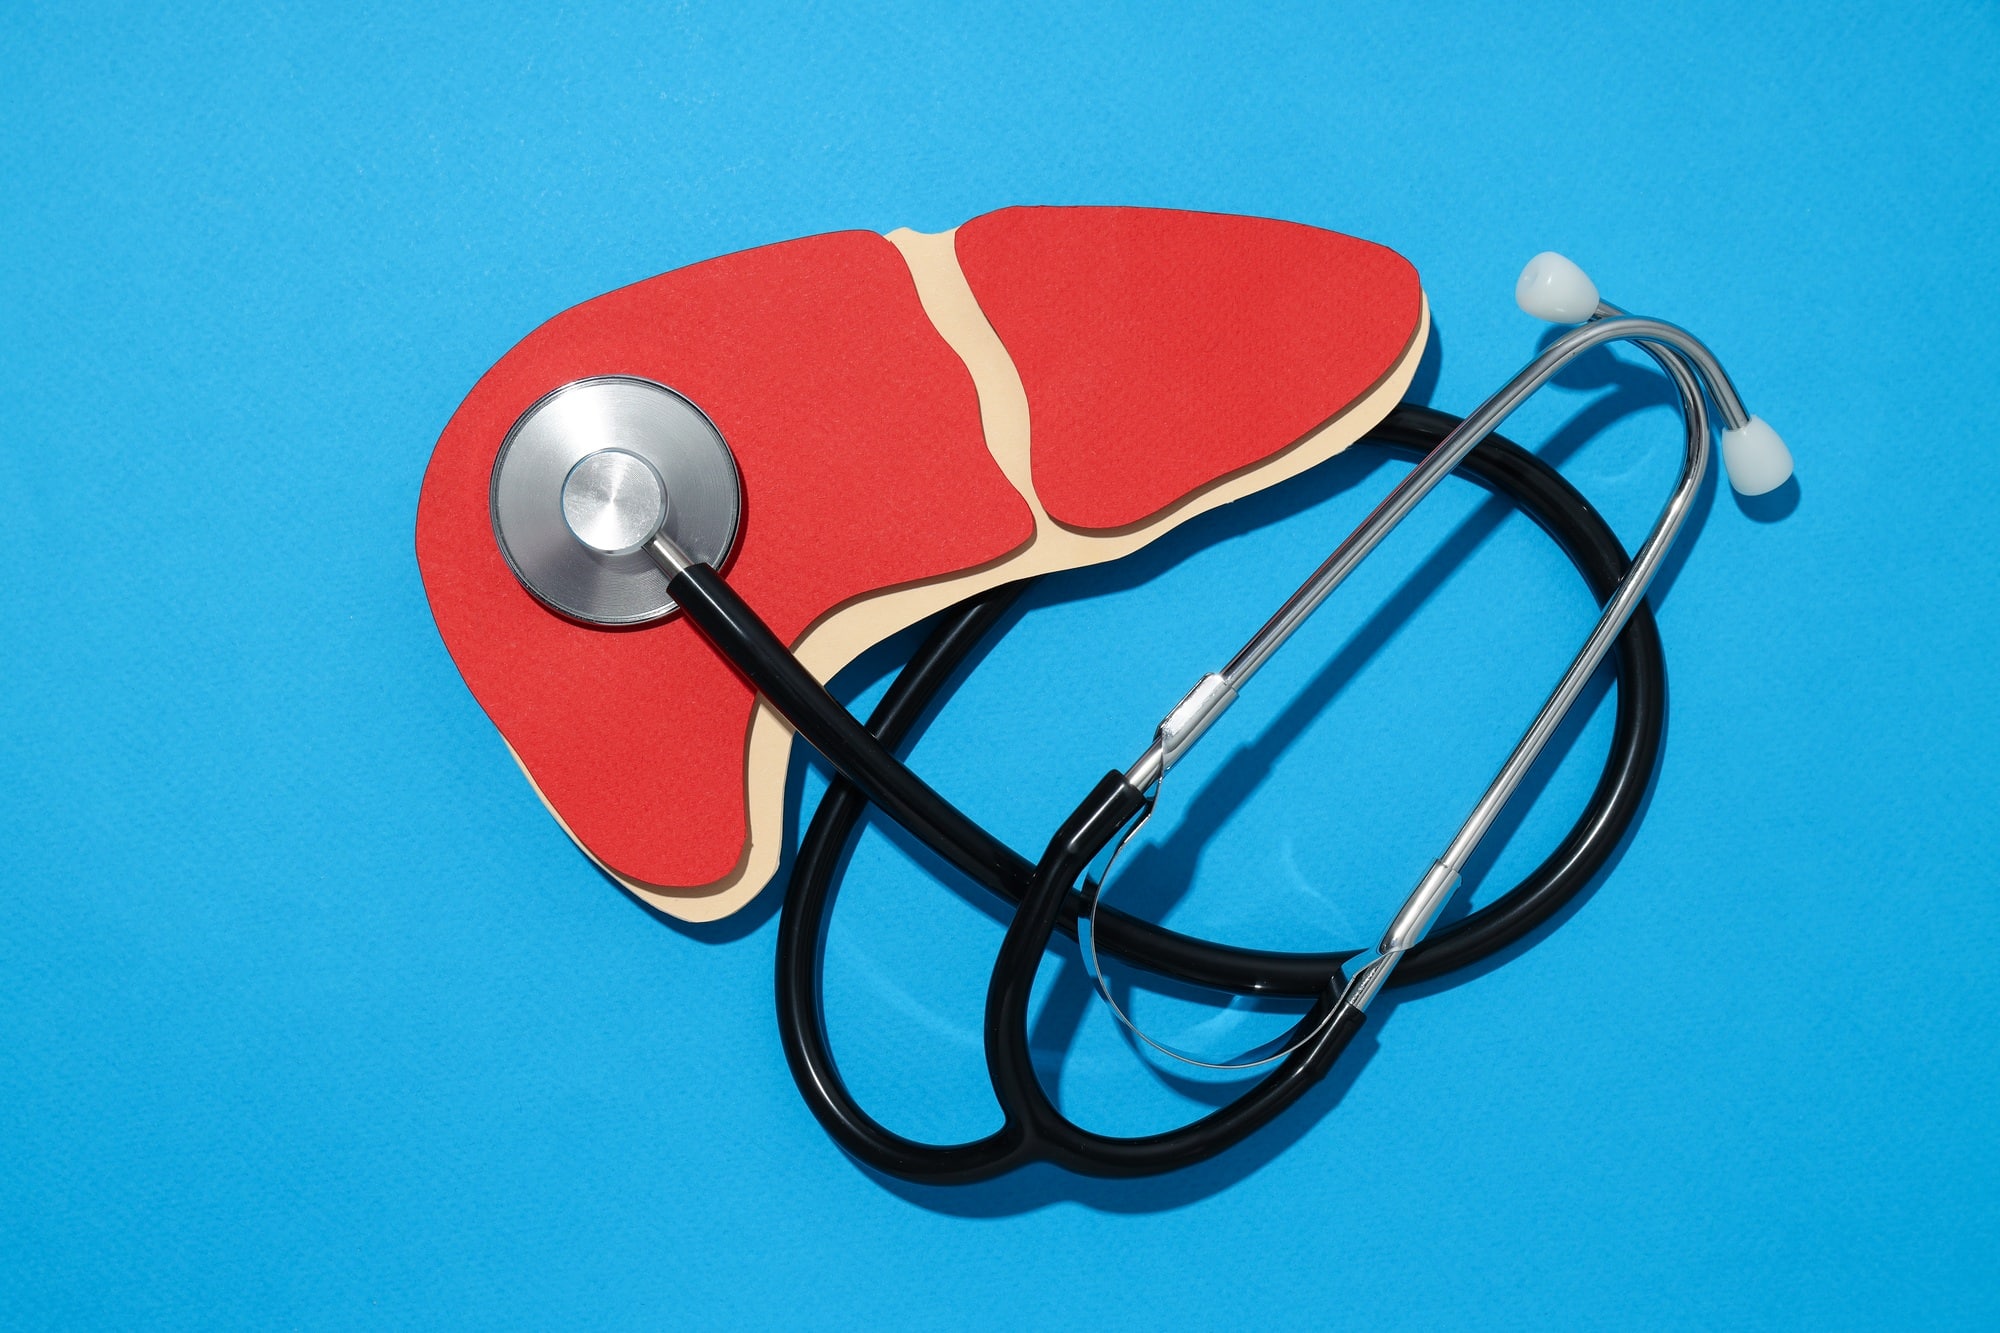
(589, 474)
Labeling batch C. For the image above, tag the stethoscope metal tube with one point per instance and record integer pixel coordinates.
(1216, 691)
(1691, 367)
(1677, 353)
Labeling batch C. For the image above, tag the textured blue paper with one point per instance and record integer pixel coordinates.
(311, 1017)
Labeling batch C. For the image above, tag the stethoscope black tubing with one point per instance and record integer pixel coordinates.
(1641, 706)
(742, 637)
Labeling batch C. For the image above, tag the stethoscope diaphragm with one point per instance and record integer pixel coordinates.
(614, 452)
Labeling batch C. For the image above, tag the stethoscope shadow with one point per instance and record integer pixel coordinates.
(1160, 874)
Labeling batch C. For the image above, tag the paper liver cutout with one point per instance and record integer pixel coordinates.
(878, 395)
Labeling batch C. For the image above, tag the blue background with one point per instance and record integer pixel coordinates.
(310, 1016)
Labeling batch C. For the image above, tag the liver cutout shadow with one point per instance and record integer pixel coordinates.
(1154, 880)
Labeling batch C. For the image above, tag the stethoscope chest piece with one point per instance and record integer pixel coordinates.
(589, 474)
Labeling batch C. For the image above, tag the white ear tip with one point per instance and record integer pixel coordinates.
(1556, 290)
(1755, 458)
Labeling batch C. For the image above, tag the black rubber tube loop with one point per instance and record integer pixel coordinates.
(1031, 1131)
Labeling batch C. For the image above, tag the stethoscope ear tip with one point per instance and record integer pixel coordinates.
(1554, 289)
(1755, 458)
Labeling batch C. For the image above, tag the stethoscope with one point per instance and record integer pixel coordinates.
(645, 523)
